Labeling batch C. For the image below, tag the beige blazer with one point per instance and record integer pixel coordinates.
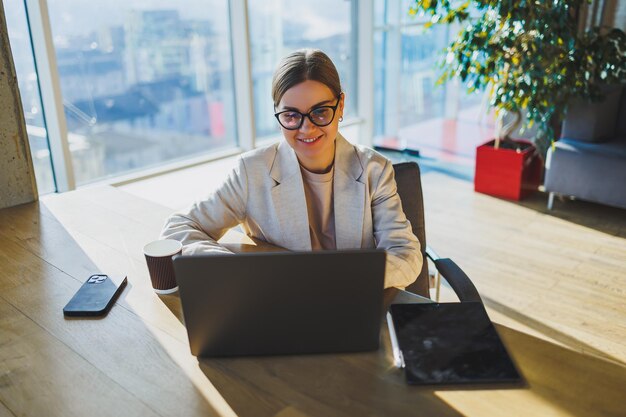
(265, 194)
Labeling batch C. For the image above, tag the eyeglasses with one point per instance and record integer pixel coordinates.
(319, 116)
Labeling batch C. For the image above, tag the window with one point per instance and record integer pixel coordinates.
(150, 82)
(410, 109)
(278, 27)
(406, 72)
(143, 83)
(19, 37)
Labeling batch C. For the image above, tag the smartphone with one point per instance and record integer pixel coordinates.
(96, 296)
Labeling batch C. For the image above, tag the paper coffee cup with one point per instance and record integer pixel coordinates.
(159, 259)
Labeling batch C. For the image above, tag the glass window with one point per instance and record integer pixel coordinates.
(394, 13)
(420, 97)
(143, 82)
(19, 38)
(278, 27)
(379, 13)
(410, 109)
(405, 63)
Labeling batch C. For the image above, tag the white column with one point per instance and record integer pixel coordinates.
(242, 73)
(365, 70)
(50, 87)
(393, 71)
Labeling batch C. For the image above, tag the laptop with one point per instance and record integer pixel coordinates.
(278, 303)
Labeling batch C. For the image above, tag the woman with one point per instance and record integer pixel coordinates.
(314, 190)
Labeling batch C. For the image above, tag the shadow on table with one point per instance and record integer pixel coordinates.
(558, 379)
(343, 385)
(172, 302)
(548, 331)
(581, 384)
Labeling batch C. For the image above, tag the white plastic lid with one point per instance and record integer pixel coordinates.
(163, 247)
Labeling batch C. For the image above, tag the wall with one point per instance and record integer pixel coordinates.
(17, 177)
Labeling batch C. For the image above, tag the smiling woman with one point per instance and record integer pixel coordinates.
(312, 191)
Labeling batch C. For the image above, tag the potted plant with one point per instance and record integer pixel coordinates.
(532, 58)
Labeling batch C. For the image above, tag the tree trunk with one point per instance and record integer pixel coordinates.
(504, 130)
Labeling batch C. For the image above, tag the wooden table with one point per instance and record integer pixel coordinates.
(136, 360)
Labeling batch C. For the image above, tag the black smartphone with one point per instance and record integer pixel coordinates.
(95, 297)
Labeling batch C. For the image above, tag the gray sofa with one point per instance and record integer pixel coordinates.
(589, 161)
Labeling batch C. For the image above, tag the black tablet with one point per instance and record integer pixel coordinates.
(450, 343)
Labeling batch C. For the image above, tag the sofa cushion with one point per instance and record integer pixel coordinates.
(593, 121)
(589, 171)
(616, 148)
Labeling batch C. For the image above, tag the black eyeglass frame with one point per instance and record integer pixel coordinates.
(303, 115)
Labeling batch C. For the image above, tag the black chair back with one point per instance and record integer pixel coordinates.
(410, 191)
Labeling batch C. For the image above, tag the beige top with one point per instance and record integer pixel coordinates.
(318, 191)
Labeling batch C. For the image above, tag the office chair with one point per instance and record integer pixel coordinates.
(410, 191)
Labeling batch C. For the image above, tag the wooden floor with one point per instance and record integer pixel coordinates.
(559, 275)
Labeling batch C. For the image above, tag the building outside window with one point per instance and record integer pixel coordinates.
(143, 83)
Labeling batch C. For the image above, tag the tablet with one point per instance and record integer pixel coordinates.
(450, 343)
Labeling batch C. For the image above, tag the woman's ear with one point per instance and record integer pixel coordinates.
(341, 103)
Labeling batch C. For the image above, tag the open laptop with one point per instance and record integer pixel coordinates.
(282, 302)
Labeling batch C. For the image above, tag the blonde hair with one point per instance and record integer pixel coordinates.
(302, 65)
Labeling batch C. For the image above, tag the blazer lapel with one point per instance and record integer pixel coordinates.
(289, 200)
(349, 196)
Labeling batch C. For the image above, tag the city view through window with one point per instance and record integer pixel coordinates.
(149, 82)
(410, 109)
(143, 82)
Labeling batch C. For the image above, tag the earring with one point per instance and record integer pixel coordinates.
(341, 118)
